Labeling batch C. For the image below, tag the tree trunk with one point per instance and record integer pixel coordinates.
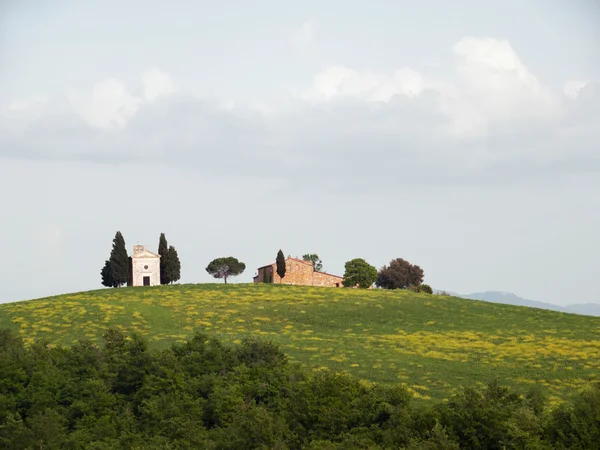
(225, 279)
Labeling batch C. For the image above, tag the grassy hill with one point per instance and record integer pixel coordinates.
(432, 344)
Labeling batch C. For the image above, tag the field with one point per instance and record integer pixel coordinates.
(431, 344)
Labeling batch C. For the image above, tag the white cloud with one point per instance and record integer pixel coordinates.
(108, 105)
(304, 36)
(157, 84)
(494, 117)
(493, 77)
(341, 81)
(491, 85)
(111, 105)
(572, 88)
(29, 109)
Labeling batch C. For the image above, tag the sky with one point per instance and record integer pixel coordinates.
(461, 136)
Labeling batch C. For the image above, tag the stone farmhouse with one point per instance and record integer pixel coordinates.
(297, 272)
(144, 267)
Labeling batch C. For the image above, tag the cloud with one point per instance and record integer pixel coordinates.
(493, 121)
(157, 84)
(111, 104)
(303, 38)
(340, 81)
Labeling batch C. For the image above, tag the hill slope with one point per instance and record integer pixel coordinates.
(431, 343)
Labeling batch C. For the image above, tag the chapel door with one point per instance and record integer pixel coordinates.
(146, 281)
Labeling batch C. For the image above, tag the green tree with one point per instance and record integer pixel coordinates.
(399, 275)
(119, 261)
(359, 273)
(163, 249)
(280, 261)
(106, 273)
(315, 260)
(225, 267)
(425, 288)
(172, 266)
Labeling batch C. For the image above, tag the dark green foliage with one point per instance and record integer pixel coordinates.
(492, 418)
(359, 273)
(425, 288)
(399, 275)
(205, 394)
(315, 260)
(106, 273)
(225, 267)
(280, 262)
(172, 266)
(163, 249)
(577, 425)
(267, 277)
(119, 261)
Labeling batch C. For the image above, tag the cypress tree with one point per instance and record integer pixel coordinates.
(280, 261)
(106, 273)
(163, 249)
(172, 266)
(119, 261)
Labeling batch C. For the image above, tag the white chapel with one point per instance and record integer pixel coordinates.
(144, 267)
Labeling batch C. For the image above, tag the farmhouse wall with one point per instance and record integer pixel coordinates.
(298, 272)
(326, 279)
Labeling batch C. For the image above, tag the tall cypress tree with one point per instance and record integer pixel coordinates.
(172, 266)
(119, 261)
(280, 261)
(163, 250)
(106, 273)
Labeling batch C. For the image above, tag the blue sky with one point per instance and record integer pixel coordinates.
(462, 136)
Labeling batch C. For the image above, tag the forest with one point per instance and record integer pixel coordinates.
(203, 393)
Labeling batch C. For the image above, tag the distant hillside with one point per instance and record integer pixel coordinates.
(432, 344)
(508, 298)
(589, 309)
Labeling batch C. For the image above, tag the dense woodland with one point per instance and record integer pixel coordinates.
(206, 394)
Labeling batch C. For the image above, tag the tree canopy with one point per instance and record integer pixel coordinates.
(116, 270)
(207, 393)
(359, 273)
(315, 260)
(400, 274)
(172, 266)
(225, 267)
(163, 249)
(106, 273)
(280, 262)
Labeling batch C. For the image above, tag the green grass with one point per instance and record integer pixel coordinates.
(432, 344)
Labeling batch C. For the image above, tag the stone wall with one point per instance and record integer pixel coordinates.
(299, 273)
(326, 279)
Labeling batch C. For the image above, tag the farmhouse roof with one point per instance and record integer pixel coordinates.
(287, 259)
(308, 263)
(330, 274)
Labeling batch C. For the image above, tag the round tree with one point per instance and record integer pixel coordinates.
(399, 275)
(359, 273)
(225, 267)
